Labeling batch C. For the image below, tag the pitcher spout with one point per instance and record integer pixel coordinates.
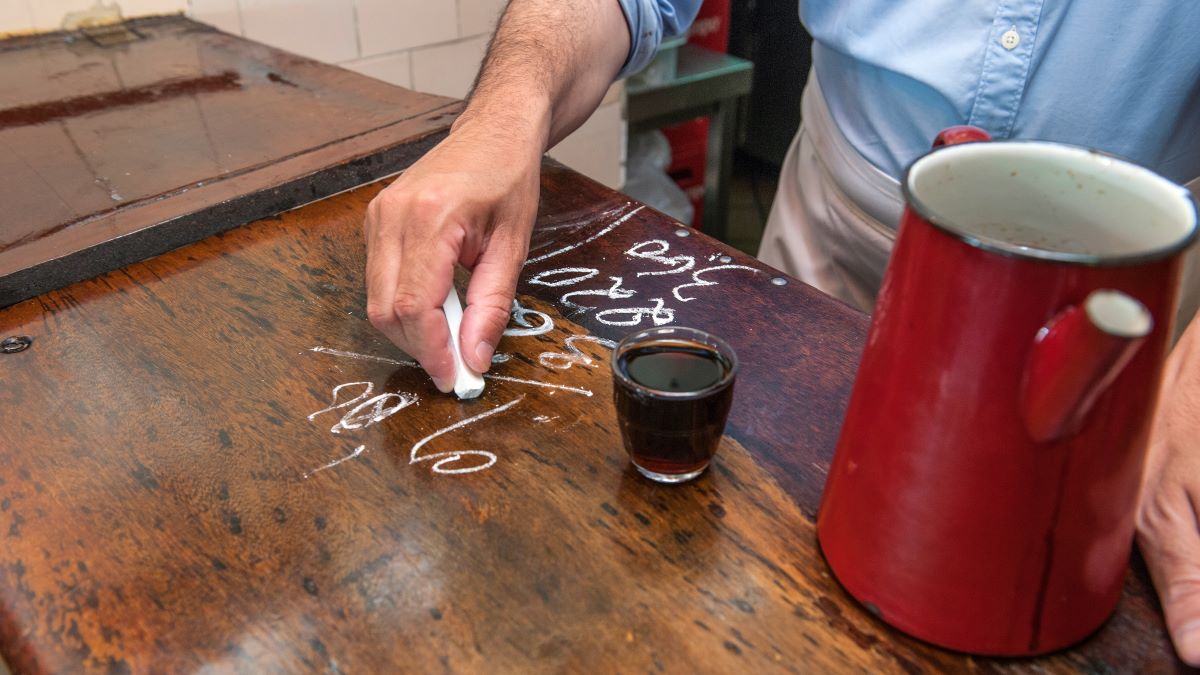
(1075, 358)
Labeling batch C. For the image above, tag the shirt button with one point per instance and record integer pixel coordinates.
(1010, 39)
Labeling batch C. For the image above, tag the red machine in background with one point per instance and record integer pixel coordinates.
(689, 141)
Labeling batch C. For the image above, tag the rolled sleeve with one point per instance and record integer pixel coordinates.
(651, 22)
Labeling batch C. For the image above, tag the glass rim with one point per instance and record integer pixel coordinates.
(660, 332)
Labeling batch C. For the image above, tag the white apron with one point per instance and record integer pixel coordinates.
(834, 219)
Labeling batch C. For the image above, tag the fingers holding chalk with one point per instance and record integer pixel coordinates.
(467, 382)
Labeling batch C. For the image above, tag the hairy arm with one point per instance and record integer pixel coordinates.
(473, 198)
(553, 59)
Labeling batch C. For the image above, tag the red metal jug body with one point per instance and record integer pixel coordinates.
(983, 492)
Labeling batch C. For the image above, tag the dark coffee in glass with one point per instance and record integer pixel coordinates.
(672, 388)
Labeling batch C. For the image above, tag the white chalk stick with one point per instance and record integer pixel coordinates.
(467, 383)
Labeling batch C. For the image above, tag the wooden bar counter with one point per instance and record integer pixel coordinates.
(209, 459)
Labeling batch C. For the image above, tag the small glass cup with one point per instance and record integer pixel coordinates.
(672, 387)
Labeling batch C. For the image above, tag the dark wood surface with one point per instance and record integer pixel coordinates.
(162, 131)
(169, 498)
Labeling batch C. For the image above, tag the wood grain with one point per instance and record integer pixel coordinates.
(114, 153)
(166, 504)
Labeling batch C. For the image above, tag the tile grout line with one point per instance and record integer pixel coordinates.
(357, 31)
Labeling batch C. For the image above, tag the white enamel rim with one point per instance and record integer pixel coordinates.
(1118, 314)
(1174, 196)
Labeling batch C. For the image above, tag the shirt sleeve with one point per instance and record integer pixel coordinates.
(650, 22)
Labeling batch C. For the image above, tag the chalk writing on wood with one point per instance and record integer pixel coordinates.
(357, 451)
(605, 230)
(659, 314)
(654, 310)
(544, 385)
(549, 277)
(361, 357)
(614, 292)
(413, 364)
(698, 282)
(573, 356)
(656, 250)
(451, 457)
(379, 411)
(367, 409)
(520, 316)
(554, 229)
(367, 388)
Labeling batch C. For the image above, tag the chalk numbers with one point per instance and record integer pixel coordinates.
(361, 407)
(377, 408)
(654, 311)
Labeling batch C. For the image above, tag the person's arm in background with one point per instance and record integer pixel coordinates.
(473, 198)
(1168, 523)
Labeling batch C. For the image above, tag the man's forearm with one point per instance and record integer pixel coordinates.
(548, 67)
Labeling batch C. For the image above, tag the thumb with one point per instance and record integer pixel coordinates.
(1181, 604)
(489, 298)
(1169, 536)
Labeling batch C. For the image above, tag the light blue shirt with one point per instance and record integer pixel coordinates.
(1115, 75)
(651, 22)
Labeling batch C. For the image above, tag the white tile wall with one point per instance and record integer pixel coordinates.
(478, 17)
(320, 29)
(389, 25)
(15, 16)
(448, 69)
(139, 7)
(42, 15)
(616, 92)
(224, 14)
(429, 45)
(597, 149)
(395, 68)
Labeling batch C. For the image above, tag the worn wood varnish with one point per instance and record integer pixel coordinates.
(166, 503)
(114, 149)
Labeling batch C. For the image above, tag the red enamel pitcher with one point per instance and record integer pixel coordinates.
(983, 492)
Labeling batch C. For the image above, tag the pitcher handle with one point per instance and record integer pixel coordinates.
(963, 133)
(1074, 359)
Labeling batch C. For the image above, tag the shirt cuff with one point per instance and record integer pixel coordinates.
(650, 21)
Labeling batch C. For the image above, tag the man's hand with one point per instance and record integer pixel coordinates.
(473, 198)
(1168, 524)
(472, 201)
